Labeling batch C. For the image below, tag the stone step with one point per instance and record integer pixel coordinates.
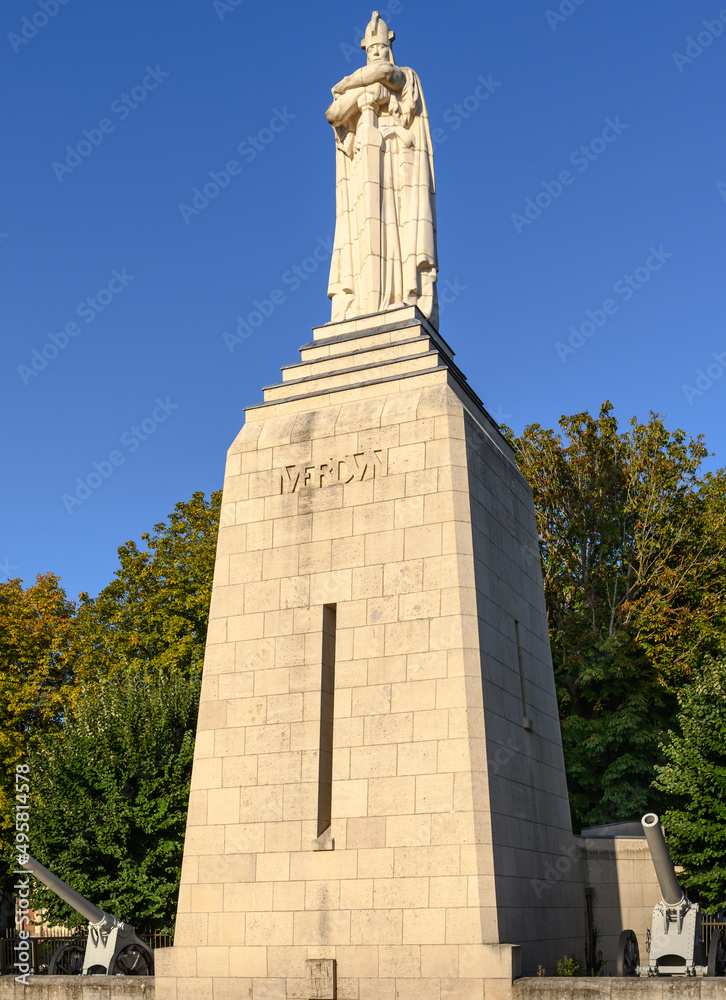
(347, 394)
(354, 375)
(399, 317)
(390, 327)
(316, 350)
(358, 357)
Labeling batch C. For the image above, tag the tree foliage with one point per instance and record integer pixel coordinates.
(150, 621)
(694, 779)
(633, 547)
(110, 796)
(35, 683)
(156, 608)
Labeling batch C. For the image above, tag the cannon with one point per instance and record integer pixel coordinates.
(674, 941)
(112, 947)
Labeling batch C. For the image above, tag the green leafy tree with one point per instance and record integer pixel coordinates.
(110, 797)
(155, 610)
(152, 619)
(633, 548)
(694, 780)
(35, 684)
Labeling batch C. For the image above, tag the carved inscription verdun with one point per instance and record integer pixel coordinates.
(347, 469)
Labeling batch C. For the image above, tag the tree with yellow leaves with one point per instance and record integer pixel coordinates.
(35, 685)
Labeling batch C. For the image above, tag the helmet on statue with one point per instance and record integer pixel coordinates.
(377, 34)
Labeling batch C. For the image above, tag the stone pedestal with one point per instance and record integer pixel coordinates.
(378, 801)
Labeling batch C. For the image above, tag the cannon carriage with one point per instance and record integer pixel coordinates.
(675, 941)
(112, 947)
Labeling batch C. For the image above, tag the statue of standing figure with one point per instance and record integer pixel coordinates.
(384, 255)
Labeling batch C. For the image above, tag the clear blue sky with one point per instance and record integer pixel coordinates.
(207, 84)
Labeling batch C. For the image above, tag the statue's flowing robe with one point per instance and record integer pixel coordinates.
(408, 258)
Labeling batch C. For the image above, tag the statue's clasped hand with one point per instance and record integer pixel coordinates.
(408, 140)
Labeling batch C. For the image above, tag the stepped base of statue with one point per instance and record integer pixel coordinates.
(378, 794)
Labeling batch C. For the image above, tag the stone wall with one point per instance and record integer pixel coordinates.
(618, 989)
(620, 873)
(142, 988)
(78, 988)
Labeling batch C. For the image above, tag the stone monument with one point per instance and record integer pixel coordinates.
(378, 793)
(385, 231)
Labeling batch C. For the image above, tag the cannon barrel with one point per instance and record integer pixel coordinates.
(59, 887)
(667, 880)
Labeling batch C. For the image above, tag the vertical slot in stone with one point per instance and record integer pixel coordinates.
(327, 695)
(526, 721)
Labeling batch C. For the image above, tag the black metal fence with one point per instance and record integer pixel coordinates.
(709, 924)
(44, 946)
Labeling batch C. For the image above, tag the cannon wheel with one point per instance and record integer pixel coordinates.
(628, 955)
(717, 954)
(134, 960)
(67, 961)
